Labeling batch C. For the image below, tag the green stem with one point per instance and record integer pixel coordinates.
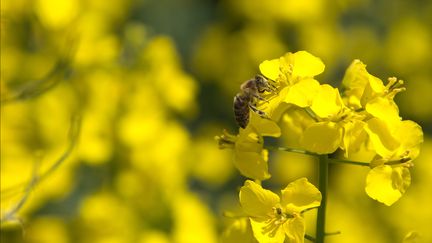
(323, 181)
(334, 160)
(342, 161)
(292, 150)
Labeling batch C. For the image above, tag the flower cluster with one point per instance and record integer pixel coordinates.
(359, 124)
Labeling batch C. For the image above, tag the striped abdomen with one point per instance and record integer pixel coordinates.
(241, 109)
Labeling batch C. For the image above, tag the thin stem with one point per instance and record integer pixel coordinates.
(298, 151)
(333, 233)
(312, 114)
(323, 181)
(334, 160)
(310, 238)
(342, 161)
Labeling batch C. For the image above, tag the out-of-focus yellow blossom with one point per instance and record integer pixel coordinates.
(412, 237)
(287, 11)
(411, 103)
(408, 45)
(210, 164)
(176, 88)
(66, 11)
(105, 209)
(272, 218)
(154, 237)
(190, 214)
(49, 230)
(243, 47)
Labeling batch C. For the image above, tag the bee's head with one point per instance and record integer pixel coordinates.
(261, 81)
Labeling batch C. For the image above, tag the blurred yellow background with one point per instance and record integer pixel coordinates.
(150, 83)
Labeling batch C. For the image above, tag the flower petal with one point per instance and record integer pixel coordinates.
(256, 201)
(300, 195)
(252, 164)
(295, 229)
(262, 236)
(354, 136)
(322, 137)
(270, 69)
(386, 184)
(306, 65)
(327, 103)
(410, 135)
(249, 141)
(384, 109)
(264, 126)
(302, 93)
(381, 138)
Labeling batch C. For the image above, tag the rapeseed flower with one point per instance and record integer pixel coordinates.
(323, 120)
(274, 218)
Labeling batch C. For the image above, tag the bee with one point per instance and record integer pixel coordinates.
(250, 93)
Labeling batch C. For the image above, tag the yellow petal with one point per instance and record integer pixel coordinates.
(306, 65)
(384, 109)
(327, 103)
(374, 88)
(256, 201)
(302, 93)
(354, 136)
(263, 236)
(410, 135)
(412, 237)
(356, 78)
(249, 141)
(300, 195)
(381, 138)
(270, 69)
(295, 229)
(360, 86)
(387, 184)
(376, 85)
(252, 164)
(264, 126)
(322, 137)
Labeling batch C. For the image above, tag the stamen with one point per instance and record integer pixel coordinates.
(226, 140)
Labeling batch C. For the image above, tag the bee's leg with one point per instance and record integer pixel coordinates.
(272, 87)
(258, 111)
(260, 98)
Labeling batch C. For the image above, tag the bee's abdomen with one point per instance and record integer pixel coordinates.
(241, 110)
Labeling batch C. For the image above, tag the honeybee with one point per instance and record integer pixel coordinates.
(250, 93)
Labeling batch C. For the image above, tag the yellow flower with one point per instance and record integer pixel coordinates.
(249, 156)
(273, 218)
(362, 87)
(400, 141)
(292, 67)
(387, 183)
(322, 137)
